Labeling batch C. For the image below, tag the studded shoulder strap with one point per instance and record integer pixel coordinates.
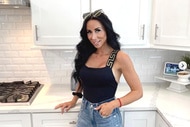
(112, 58)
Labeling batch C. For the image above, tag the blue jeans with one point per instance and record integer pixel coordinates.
(88, 117)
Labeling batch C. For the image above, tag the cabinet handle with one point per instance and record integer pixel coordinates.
(73, 122)
(156, 30)
(143, 29)
(36, 31)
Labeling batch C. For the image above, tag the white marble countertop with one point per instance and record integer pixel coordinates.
(175, 107)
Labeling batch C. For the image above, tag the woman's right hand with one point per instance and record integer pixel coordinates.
(65, 106)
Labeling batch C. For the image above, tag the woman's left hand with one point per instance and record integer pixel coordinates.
(105, 109)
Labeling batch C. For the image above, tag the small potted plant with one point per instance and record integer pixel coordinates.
(186, 58)
(184, 76)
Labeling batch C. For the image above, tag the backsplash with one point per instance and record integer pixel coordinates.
(18, 61)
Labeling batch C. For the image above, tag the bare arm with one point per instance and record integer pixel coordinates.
(126, 67)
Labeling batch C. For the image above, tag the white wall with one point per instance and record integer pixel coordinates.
(19, 62)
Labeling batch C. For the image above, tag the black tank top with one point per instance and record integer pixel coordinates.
(99, 84)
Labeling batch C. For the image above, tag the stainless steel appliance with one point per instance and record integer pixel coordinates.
(18, 92)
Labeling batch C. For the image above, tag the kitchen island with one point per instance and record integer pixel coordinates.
(172, 106)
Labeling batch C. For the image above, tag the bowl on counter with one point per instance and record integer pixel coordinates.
(183, 76)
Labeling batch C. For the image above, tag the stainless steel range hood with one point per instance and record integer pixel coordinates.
(14, 3)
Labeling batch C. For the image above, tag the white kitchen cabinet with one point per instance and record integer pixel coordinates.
(57, 22)
(15, 120)
(130, 18)
(171, 24)
(55, 119)
(160, 122)
(139, 119)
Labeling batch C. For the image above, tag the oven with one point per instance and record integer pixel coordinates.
(19, 92)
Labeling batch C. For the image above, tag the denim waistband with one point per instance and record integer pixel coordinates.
(86, 102)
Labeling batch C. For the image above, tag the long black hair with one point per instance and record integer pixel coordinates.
(85, 48)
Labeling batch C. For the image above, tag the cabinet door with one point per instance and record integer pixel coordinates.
(15, 120)
(160, 121)
(171, 23)
(57, 22)
(130, 20)
(55, 120)
(139, 119)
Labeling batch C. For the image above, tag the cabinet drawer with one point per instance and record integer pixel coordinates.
(55, 119)
(15, 120)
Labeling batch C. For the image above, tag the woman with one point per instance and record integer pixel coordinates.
(99, 64)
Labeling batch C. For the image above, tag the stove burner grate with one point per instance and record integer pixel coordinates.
(19, 92)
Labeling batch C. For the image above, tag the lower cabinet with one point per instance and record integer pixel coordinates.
(133, 118)
(15, 120)
(139, 118)
(54, 119)
(150, 118)
(160, 122)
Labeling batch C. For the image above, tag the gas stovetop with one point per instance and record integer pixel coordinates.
(19, 92)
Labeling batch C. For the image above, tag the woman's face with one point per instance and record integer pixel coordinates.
(96, 33)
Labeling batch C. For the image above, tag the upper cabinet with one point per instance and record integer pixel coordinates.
(130, 18)
(57, 22)
(171, 24)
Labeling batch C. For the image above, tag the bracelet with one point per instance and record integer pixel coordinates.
(120, 104)
(77, 94)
